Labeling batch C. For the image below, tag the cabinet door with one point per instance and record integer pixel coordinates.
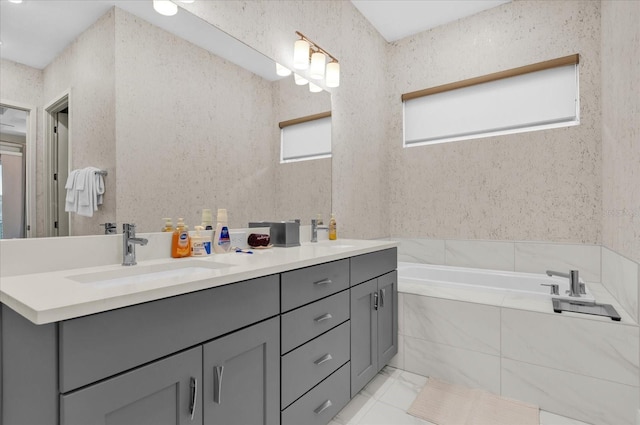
(364, 334)
(387, 318)
(166, 392)
(242, 376)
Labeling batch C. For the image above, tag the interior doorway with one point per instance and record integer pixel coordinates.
(57, 142)
(17, 170)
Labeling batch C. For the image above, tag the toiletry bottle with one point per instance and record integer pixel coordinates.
(168, 225)
(320, 221)
(332, 228)
(198, 243)
(207, 221)
(181, 243)
(221, 238)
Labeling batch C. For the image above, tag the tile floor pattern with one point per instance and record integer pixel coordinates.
(386, 399)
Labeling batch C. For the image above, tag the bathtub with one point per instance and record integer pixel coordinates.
(528, 284)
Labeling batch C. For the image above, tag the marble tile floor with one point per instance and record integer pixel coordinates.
(386, 399)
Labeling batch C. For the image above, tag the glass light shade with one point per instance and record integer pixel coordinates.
(165, 7)
(299, 80)
(314, 88)
(333, 74)
(282, 70)
(301, 55)
(317, 66)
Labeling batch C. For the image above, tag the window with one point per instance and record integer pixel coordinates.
(535, 97)
(306, 138)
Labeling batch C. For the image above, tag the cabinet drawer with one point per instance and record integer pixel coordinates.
(305, 366)
(303, 286)
(368, 266)
(305, 323)
(322, 403)
(98, 346)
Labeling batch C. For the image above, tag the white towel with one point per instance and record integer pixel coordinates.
(85, 189)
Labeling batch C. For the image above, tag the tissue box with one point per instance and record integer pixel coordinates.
(283, 233)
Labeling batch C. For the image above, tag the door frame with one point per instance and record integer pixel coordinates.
(59, 103)
(30, 163)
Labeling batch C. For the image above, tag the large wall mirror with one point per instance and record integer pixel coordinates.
(175, 127)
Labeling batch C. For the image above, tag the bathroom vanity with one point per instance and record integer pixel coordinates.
(286, 336)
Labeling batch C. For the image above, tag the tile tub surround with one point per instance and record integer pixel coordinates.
(619, 275)
(590, 362)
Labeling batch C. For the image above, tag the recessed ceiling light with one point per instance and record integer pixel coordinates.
(165, 7)
(15, 1)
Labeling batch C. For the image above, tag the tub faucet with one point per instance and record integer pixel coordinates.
(129, 242)
(575, 287)
(315, 228)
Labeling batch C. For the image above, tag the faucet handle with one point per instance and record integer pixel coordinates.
(109, 228)
(555, 288)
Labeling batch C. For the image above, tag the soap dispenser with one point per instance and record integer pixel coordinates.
(168, 225)
(333, 234)
(181, 242)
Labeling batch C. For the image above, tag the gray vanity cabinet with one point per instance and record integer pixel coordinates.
(374, 328)
(242, 377)
(161, 393)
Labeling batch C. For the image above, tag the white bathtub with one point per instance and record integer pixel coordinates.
(490, 280)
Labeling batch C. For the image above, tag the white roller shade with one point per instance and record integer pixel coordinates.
(537, 100)
(307, 140)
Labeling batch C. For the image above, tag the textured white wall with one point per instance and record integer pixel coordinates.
(86, 67)
(621, 127)
(23, 84)
(543, 185)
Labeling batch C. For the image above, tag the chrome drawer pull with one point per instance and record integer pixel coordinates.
(324, 406)
(323, 359)
(323, 318)
(375, 300)
(194, 396)
(217, 383)
(322, 282)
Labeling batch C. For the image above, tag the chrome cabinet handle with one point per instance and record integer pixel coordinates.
(194, 396)
(375, 300)
(217, 383)
(382, 298)
(324, 406)
(322, 282)
(323, 359)
(323, 318)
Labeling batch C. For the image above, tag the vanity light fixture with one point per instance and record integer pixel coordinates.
(165, 7)
(282, 71)
(314, 88)
(305, 51)
(15, 1)
(301, 81)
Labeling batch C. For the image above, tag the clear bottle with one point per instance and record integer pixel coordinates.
(181, 242)
(221, 237)
(168, 225)
(333, 235)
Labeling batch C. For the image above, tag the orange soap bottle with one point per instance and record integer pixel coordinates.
(181, 242)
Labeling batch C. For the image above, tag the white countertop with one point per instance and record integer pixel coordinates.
(54, 296)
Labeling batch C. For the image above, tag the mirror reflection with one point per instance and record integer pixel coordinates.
(176, 127)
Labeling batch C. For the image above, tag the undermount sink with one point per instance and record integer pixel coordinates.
(141, 274)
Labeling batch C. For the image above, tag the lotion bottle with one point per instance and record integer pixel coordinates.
(181, 242)
(332, 228)
(198, 247)
(221, 238)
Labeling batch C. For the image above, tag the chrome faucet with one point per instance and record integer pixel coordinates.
(129, 242)
(315, 228)
(575, 287)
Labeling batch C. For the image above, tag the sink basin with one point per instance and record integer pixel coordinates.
(143, 274)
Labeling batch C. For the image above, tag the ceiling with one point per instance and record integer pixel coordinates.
(396, 19)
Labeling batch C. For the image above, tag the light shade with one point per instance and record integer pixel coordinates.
(333, 74)
(314, 88)
(317, 66)
(299, 80)
(301, 54)
(165, 7)
(282, 70)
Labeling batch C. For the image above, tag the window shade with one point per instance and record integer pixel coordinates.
(536, 100)
(307, 140)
